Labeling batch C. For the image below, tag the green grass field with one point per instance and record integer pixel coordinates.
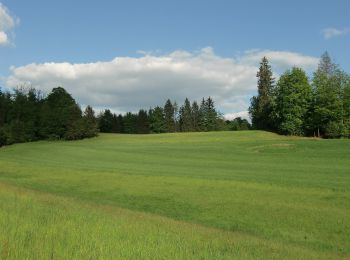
(211, 195)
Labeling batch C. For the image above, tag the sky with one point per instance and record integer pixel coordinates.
(127, 55)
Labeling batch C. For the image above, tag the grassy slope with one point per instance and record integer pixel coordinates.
(257, 190)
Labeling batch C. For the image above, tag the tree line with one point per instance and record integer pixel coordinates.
(297, 106)
(26, 115)
(189, 117)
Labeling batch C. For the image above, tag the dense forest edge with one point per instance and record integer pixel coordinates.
(26, 115)
(295, 105)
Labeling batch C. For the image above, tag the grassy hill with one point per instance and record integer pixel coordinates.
(197, 195)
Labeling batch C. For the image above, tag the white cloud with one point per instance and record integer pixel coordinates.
(7, 23)
(241, 114)
(281, 60)
(129, 83)
(329, 33)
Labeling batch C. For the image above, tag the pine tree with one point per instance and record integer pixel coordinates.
(105, 122)
(202, 120)
(143, 125)
(90, 122)
(261, 108)
(169, 119)
(157, 120)
(186, 117)
(195, 116)
(130, 123)
(59, 114)
(211, 114)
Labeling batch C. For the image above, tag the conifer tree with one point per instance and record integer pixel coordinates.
(186, 117)
(195, 116)
(143, 125)
(90, 122)
(169, 117)
(157, 120)
(261, 108)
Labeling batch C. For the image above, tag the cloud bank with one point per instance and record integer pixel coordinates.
(331, 32)
(7, 24)
(129, 83)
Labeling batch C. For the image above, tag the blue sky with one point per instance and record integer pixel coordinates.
(62, 37)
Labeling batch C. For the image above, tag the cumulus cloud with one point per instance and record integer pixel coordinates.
(7, 23)
(129, 83)
(331, 32)
(241, 114)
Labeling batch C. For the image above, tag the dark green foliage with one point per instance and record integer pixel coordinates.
(169, 117)
(60, 114)
(3, 137)
(156, 116)
(211, 115)
(130, 123)
(195, 116)
(105, 121)
(25, 116)
(295, 108)
(90, 123)
(328, 86)
(238, 124)
(186, 124)
(346, 105)
(293, 101)
(262, 106)
(142, 122)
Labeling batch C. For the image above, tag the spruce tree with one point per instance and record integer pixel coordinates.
(157, 120)
(261, 108)
(195, 116)
(202, 120)
(90, 122)
(211, 114)
(169, 117)
(186, 117)
(143, 125)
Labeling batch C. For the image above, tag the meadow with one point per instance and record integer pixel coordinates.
(215, 195)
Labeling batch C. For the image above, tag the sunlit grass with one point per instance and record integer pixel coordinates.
(210, 195)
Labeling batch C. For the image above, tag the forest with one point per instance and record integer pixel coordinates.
(26, 115)
(297, 106)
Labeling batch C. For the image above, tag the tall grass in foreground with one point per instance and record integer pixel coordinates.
(189, 195)
(42, 226)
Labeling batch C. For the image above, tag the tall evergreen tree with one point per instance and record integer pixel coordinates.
(211, 115)
(169, 117)
(105, 121)
(186, 117)
(59, 114)
(176, 117)
(328, 103)
(261, 108)
(142, 125)
(195, 116)
(90, 122)
(130, 123)
(157, 120)
(202, 120)
(293, 102)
